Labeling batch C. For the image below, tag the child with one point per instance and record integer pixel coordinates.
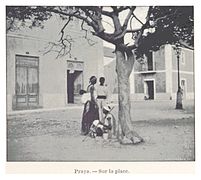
(84, 96)
(109, 122)
(106, 129)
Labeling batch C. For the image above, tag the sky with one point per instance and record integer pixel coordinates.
(140, 12)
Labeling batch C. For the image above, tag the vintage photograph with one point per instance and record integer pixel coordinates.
(100, 83)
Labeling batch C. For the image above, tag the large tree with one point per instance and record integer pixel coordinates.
(162, 25)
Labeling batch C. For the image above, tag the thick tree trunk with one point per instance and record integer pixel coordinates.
(124, 66)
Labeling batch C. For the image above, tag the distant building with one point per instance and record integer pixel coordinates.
(110, 70)
(155, 76)
(38, 80)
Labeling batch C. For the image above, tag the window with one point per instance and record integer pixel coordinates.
(182, 57)
(150, 61)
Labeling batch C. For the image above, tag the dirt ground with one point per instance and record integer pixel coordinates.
(55, 135)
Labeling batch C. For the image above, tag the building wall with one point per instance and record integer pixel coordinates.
(52, 71)
(186, 66)
(160, 82)
(160, 85)
(168, 69)
(159, 59)
(189, 78)
(165, 76)
(111, 76)
(186, 54)
(140, 65)
(158, 74)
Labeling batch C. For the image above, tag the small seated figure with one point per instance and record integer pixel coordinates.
(105, 128)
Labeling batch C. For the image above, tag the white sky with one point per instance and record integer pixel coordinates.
(140, 12)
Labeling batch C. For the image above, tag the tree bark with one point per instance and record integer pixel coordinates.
(124, 66)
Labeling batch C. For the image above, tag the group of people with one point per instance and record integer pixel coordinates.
(96, 118)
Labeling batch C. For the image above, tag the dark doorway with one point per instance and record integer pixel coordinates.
(74, 85)
(150, 89)
(70, 86)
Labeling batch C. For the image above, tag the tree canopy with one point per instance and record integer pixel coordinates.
(172, 25)
(163, 24)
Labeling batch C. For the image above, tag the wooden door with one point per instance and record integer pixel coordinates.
(27, 82)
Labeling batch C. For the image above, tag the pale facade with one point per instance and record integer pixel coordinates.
(156, 75)
(39, 80)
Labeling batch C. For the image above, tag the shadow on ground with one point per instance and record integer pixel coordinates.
(55, 136)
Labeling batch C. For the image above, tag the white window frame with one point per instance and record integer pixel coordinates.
(183, 58)
(184, 90)
(153, 62)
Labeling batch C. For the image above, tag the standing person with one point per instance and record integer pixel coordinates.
(90, 112)
(102, 94)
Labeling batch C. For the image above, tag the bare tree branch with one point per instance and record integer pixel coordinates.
(125, 24)
(141, 30)
(62, 30)
(122, 8)
(117, 25)
(74, 14)
(184, 44)
(137, 19)
(62, 47)
(95, 16)
(108, 23)
(133, 30)
(96, 22)
(90, 41)
(85, 30)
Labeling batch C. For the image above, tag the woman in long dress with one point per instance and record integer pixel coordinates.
(90, 112)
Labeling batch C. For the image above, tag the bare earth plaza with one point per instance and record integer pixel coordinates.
(51, 135)
(100, 84)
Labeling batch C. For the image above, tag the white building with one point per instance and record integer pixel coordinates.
(38, 80)
(156, 76)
